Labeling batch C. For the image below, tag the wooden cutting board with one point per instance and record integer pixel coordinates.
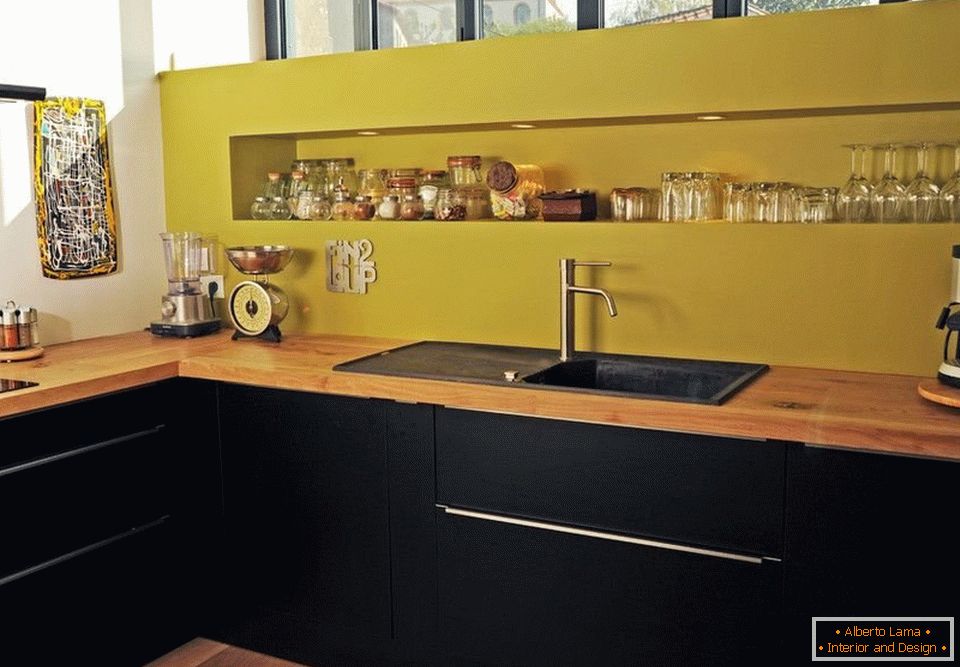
(934, 390)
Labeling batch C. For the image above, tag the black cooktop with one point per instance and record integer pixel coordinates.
(13, 385)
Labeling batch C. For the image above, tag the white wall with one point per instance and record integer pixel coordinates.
(102, 49)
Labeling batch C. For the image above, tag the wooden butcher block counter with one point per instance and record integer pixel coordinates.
(868, 411)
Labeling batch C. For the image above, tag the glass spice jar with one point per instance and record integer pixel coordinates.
(364, 208)
(430, 185)
(342, 208)
(450, 205)
(319, 206)
(515, 191)
(372, 185)
(465, 177)
(401, 186)
(389, 208)
(411, 208)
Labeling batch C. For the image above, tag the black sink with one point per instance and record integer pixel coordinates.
(662, 378)
(687, 380)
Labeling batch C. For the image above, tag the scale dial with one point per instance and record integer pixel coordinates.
(251, 308)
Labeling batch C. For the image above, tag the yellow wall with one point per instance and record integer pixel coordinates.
(840, 296)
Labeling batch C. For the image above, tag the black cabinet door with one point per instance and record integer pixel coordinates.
(518, 595)
(868, 535)
(305, 503)
(720, 492)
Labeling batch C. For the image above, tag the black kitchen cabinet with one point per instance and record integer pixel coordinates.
(307, 535)
(868, 535)
(102, 525)
(568, 543)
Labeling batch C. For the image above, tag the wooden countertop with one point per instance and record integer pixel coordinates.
(868, 411)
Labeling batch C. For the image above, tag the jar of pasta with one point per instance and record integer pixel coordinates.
(515, 191)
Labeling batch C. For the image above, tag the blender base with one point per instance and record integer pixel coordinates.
(185, 330)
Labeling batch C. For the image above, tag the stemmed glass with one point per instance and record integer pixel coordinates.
(853, 199)
(888, 197)
(923, 196)
(950, 192)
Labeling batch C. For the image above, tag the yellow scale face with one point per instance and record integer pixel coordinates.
(250, 308)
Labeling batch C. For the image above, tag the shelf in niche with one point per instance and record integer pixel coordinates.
(604, 221)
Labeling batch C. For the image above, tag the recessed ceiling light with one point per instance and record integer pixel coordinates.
(522, 126)
(367, 133)
(710, 117)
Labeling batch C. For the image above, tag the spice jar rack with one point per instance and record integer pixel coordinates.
(19, 333)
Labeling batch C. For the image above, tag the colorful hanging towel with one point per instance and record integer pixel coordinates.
(76, 227)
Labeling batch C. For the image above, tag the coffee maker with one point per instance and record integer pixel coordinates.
(949, 372)
(185, 310)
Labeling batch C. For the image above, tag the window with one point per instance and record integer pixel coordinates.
(314, 27)
(503, 18)
(634, 12)
(415, 22)
(762, 7)
(310, 27)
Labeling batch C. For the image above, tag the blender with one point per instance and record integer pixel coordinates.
(185, 310)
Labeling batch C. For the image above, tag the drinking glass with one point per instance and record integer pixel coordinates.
(816, 204)
(888, 198)
(763, 202)
(704, 194)
(671, 202)
(853, 199)
(950, 192)
(786, 202)
(923, 196)
(736, 202)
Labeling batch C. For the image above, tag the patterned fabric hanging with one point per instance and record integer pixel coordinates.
(76, 227)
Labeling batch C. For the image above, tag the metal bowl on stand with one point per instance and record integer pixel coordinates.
(259, 259)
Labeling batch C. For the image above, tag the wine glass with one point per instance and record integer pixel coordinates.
(889, 196)
(923, 196)
(853, 199)
(950, 192)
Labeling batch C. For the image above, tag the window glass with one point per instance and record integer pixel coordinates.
(413, 22)
(503, 18)
(761, 7)
(320, 26)
(634, 12)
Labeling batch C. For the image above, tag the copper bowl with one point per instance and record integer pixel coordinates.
(259, 259)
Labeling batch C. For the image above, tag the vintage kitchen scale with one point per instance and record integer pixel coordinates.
(256, 307)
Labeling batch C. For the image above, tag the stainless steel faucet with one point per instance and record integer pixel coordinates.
(567, 291)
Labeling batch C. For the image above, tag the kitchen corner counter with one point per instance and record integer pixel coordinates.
(865, 411)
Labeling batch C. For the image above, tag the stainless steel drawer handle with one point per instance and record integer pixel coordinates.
(63, 558)
(36, 463)
(613, 537)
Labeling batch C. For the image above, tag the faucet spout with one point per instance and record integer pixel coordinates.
(611, 304)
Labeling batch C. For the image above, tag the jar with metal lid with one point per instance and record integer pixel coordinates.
(430, 185)
(411, 208)
(342, 208)
(364, 208)
(372, 185)
(339, 171)
(450, 205)
(297, 187)
(9, 330)
(23, 325)
(464, 175)
(401, 186)
(389, 208)
(515, 191)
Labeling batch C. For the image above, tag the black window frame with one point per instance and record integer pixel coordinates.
(469, 21)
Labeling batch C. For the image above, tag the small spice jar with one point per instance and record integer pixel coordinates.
(363, 208)
(464, 174)
(9, 330)
(23, 326)
(319, 206)
(389, 208)
(430, 185)
(411, 208)
(450, 205)
(401, 186)
(342, 208)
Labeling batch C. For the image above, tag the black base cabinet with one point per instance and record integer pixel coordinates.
(326, 560)
(105, 529)
(868, 535)
(515, 595)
